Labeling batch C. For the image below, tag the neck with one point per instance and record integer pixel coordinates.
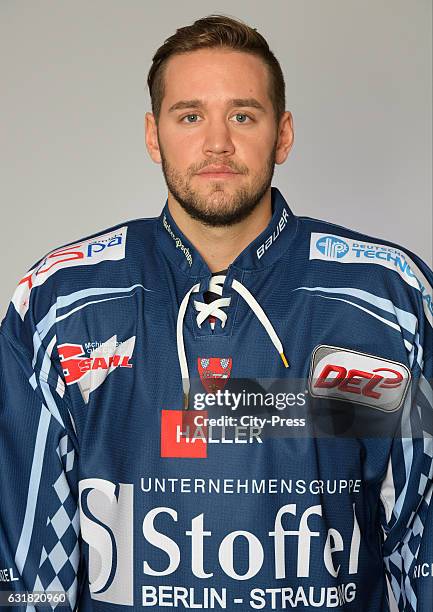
(219, 246)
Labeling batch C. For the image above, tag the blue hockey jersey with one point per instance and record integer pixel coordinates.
(270, 449)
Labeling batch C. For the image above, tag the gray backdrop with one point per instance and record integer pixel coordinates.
(73, 97)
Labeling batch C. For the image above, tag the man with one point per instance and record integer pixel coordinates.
(130, 478)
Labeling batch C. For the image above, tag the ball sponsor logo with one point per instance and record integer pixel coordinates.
(90, 369)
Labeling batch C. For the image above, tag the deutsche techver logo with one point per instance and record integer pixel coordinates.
(332, 247)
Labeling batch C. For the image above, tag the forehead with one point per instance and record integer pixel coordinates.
(215, 74)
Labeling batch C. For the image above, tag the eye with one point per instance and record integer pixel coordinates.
(187, 116)
(245, 116)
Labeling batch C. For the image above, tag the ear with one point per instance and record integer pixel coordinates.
(151, 137)
(286, 137)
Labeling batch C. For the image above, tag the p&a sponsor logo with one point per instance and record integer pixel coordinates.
(357, 377)
(109, 246)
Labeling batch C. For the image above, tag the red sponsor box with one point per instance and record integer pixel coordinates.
(180, 436)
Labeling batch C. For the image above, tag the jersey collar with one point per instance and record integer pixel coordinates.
(262, 252)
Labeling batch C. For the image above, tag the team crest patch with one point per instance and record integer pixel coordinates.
(214, 372)
(348, 375)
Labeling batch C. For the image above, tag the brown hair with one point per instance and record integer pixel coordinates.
(216, 31)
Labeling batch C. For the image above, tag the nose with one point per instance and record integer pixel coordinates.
(218, 138)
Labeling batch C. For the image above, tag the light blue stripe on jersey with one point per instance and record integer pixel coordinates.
(48, 321)
(407, 320)
(81, 306)
(32, 493)
(373, 314)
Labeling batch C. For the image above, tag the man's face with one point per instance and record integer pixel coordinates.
(216, 111)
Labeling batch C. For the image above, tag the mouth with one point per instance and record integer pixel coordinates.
(214, 172)
(218, 175)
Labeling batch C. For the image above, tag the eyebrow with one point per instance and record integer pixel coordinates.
(250, 102)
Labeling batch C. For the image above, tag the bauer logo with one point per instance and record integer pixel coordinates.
(332, 247)
(275, 234)
(90, 369)
(358, 377)
(106, 520)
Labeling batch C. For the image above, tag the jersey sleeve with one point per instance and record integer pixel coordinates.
(407, 512)
(39, 512)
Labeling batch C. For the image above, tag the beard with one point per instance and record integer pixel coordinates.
(218, 207)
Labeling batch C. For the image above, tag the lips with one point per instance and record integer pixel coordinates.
(217, 170)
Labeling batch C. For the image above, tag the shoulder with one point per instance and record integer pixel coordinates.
(328, 234)
(91, 259)
(97, 246)
(382, 266)
(336, 243)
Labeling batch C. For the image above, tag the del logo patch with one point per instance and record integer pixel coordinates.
(356, 377)
(214, 372)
